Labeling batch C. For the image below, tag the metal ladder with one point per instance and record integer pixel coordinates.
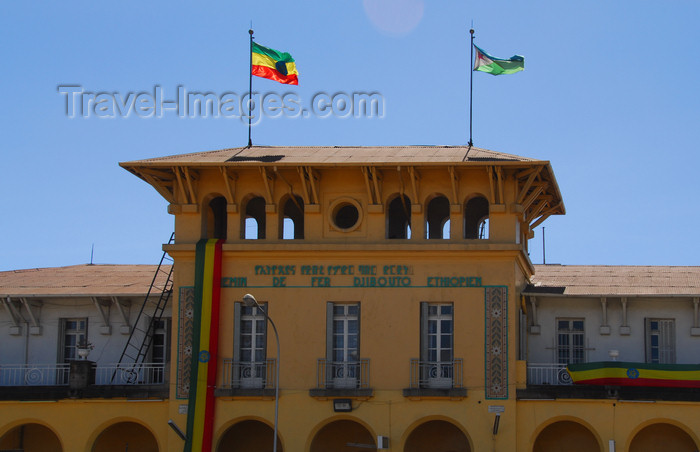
(135, 350)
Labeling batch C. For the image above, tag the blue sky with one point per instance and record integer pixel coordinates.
(609, 96)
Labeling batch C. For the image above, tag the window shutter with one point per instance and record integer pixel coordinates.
(237, 331)
(329, 331)
(267, 311)
(359, 330)
(423, 331)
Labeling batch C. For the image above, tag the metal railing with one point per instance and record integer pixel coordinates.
(34, 374)
(248, 375)
(59, 374)
(436, 375)
(547, 374)
(132, 374)
(342, 374)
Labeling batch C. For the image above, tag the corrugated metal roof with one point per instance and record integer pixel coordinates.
(615, 280)
(334, 155)
(79, 280)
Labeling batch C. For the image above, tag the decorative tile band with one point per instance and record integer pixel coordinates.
(184, 345)
(496, 342)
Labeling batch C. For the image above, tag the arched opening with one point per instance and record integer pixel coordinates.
(253, 226)
(437, 436)
(31, 438)
(215, 219)
(662, 436)
(248, 436)
(343, 436)
(292, 218)
(476, 218)
(125, 436)
(566, 436)
(399, 218)
(437, 216)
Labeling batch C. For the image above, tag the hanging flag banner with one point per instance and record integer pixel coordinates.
(273, 64)
(618, 373)
(205, 345)
(497, 66)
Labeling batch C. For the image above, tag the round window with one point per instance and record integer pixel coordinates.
(345, 215)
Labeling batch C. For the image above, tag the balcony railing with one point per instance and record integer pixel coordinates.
(125, 374)
(34, 374)
(59, 374)
(343, 374)
(436, 375)
(547, 374)
(248, 375)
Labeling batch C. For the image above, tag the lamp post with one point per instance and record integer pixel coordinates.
(250, 301)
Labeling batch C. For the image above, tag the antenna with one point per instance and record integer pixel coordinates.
(92, 253)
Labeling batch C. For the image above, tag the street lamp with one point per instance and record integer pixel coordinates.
(250, 301)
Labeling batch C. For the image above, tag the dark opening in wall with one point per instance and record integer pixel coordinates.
(476, 218)
(346, 216)
(216, 218)
(399, 218)
(253, 226)
(437, 216)
(293, 219)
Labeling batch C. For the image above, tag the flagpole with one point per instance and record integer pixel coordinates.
(250, 89)
(471, 84)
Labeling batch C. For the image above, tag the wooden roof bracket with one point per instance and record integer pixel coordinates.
(126, 327)
(230, 191)
(454, 181)
(313, 181)
(499, 176)
(159, 186)
(532, 197)
(35, 329)
(370, 193)
(303, 176)
(269, 185)
(492, 192)
(523, 191)
(415, 177)
(181, 185)
(191, 192)
(106, 327)
(291, 189)
(12, 312)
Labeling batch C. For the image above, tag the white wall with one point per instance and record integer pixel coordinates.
(541, 348)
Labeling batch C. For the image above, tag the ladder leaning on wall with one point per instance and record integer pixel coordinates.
(140, 340)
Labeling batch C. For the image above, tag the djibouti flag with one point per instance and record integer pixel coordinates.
(497, 66)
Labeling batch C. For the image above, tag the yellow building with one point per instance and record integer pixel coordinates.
(398, 282)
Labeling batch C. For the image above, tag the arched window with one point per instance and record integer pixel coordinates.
(399, 218)
(293, 219)
(437, 217)
(215, 220)
(476, 218)
(253, 226)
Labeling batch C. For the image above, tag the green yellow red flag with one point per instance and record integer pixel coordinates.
(274, 65)
(497, 66)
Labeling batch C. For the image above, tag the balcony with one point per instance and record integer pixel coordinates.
(553, 381)
(55, 381)
(247, 379)
(342, 379)
(547, 374)
(436, 379)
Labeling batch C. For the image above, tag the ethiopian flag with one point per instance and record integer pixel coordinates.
(273, 64)
(205, 346)
(497, 66)
(618, 373)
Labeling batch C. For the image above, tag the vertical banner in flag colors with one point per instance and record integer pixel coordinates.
(205, 345)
